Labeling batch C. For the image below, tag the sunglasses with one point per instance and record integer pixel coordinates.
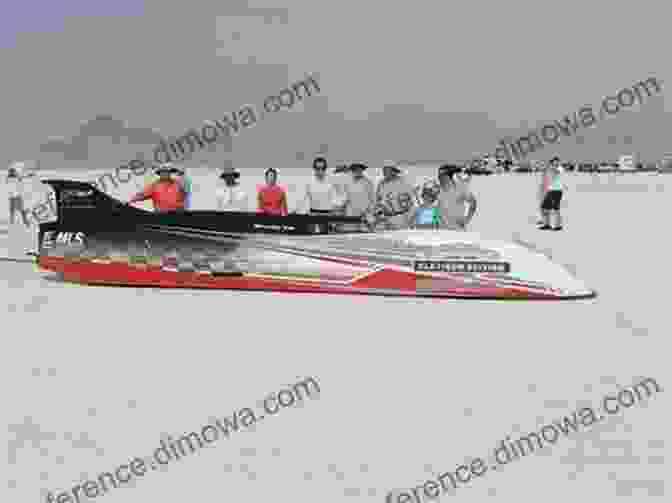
(320, 168)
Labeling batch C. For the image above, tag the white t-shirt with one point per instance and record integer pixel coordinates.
(320, 195)
(232, 199)
(361, 197)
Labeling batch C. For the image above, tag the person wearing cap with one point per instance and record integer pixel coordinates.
(167, 194)
(552, 196)
(454, 196)
(14, 182)
(360, 193)
(271, 198)
(321, 196)
(394, 198)
(231, 197)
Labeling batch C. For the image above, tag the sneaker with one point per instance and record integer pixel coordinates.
(557, 228)
(545, 228)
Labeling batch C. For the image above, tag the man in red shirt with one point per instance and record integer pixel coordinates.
(166, 193)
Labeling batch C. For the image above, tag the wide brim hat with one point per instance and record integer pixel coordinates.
(449, 170)
(392, 165)
(16, 168)
(229, 173)
(168, 168)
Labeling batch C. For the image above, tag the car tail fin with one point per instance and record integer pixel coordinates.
(81, 201)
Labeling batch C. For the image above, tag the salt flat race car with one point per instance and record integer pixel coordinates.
(96, 239)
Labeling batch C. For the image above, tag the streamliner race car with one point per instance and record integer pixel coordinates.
(96, 239)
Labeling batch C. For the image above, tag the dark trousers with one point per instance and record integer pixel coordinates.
(16, 205)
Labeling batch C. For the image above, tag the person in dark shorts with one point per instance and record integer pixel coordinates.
(550, 206)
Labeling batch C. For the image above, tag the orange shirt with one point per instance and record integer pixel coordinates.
(272, 200)
(165, 195)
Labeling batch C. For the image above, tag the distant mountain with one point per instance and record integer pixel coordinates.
(102, 142)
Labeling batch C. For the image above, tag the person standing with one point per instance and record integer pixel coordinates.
(167, 194)
(550, 205)
(394, 198)
(15, 192)
(428, 214)
(360, 193)
(187, 187)
(321, 196)
(231, 197)
(454, 197)
(271, 198)
(340, 182)
(544, 181)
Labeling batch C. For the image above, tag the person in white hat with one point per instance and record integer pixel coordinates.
(14, 182)
(394, 198)
(167, 194)
(231, 197)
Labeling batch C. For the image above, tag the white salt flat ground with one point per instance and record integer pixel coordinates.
(410, 388)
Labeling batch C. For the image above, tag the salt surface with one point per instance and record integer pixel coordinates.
(396, 374)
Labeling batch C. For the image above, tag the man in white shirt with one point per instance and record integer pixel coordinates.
(321, 196)
(231, 197)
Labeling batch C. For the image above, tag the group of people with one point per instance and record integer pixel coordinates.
(392, 204)
(445, 203)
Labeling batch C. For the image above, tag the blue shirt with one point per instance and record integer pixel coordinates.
(426, 216)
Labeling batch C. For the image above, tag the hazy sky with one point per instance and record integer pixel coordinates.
(434, 80)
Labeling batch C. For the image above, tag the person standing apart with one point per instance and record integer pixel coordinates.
(231, 197)
(544, 183)
(271, 198)
(454, 197)
(321, 196)
(550, 206)
(15, 192)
